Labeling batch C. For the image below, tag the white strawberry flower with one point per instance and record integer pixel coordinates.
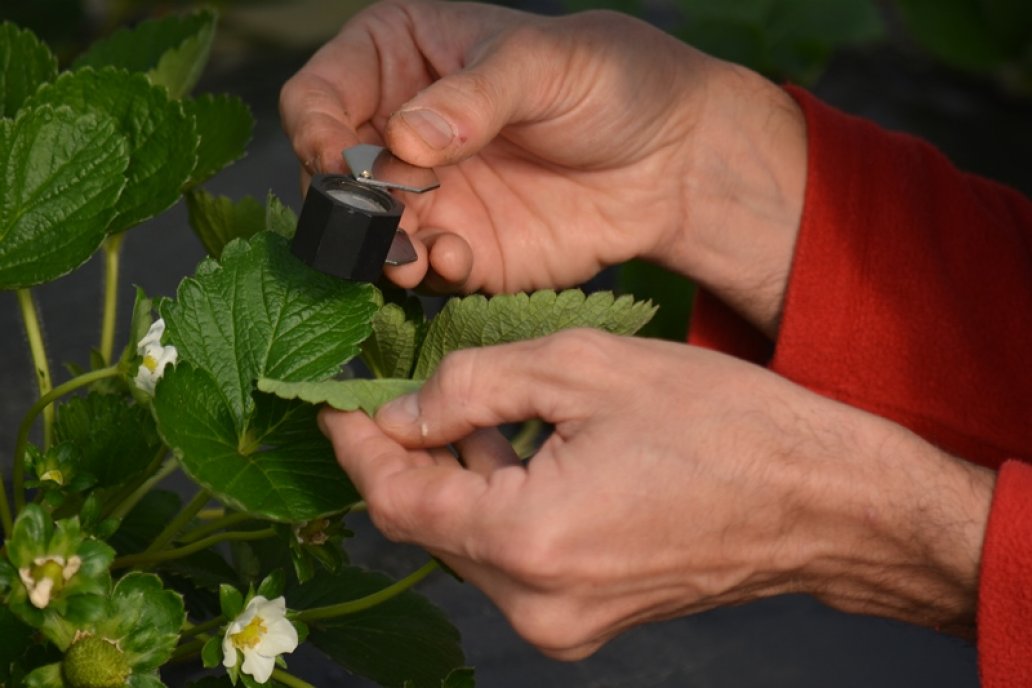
(261, 632)
(47, 576)
(155, 357)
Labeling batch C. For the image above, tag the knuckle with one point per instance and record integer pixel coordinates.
(456, 374)
(552, 625)
(584, 350)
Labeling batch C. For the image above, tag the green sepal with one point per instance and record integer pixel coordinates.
(272, 585)
(48, 676)
(211, 653)
(145, 619)
(398, 332)
(231, 601)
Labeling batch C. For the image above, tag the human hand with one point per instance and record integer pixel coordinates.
(564, 145)
(676, 480)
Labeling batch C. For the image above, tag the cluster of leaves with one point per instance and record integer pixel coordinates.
(105, 577)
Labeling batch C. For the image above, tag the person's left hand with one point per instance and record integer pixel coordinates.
(676, 479)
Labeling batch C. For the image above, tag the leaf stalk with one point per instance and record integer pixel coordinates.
(363, 603)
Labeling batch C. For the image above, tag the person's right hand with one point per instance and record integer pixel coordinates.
(563, 145)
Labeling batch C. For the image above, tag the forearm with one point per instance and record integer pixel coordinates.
(743, 195)
(903, 528)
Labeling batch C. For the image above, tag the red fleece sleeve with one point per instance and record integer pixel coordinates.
(910, 295)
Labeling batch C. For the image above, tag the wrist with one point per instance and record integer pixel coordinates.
(898, 529)
(742, 193)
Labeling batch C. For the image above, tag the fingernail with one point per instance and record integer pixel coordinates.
(429, 126)
(402, 411)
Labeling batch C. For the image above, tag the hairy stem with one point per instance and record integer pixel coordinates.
(6, 518)
(109, 319)
(214, 525)
(144, 559)
(44, 404)
(177, 523)
(34, 333)
(363, 603)
(126, 505)
(289, 679)
(198, 629)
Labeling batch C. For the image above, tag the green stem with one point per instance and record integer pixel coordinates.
(144, 559)
(112, 257)
(363, 603)
(290, 680)
(187, 650)
(34, 332)
(126, 505)
(6, 519)
(198, 629)
(214, 525)
(43, 404)
(177, 523)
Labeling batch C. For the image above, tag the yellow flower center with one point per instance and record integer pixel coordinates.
(250, 635)
(150, 363)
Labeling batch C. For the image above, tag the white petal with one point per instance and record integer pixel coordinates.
(39, 594)
(280, 638)
(258, 666)
(229, 653)
(153, 336)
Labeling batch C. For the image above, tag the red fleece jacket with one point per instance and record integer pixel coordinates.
(910, 296)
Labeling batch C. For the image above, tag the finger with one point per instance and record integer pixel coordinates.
(485, 451)
(317, 122)
(461, 112)
(554, 378)
(425, 498)
(450, 262)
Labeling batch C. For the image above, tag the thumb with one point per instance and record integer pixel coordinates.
(553, 378)
(460, 113)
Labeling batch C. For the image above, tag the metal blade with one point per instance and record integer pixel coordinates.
(402, 251)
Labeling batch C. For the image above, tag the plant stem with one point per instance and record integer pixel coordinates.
(109, 319)
(6, 519)
(177, 523)
(214, 525)
(126, 505)
(289, 679)
(187, 650)
(524, 443)
(198, 629)
(43, 404)
(363, 603)
(34, 332)
(144, 559)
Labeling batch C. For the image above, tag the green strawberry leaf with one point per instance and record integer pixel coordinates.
(478, 321)
(463, 677)
(162, 137)
(145, 620)
(260, 312)
(116, 440)
(61, 173)
(279, 218)
(217, 220)
(225, 126)
(398, 332)
(172, 50)
(343, 395)
(281, 467)
(404, 639)
(25, 63)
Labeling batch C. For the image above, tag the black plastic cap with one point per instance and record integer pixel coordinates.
(344, 239)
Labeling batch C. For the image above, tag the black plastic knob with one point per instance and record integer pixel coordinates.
(346, 228)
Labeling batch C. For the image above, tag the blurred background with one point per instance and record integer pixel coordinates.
(955, 72)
